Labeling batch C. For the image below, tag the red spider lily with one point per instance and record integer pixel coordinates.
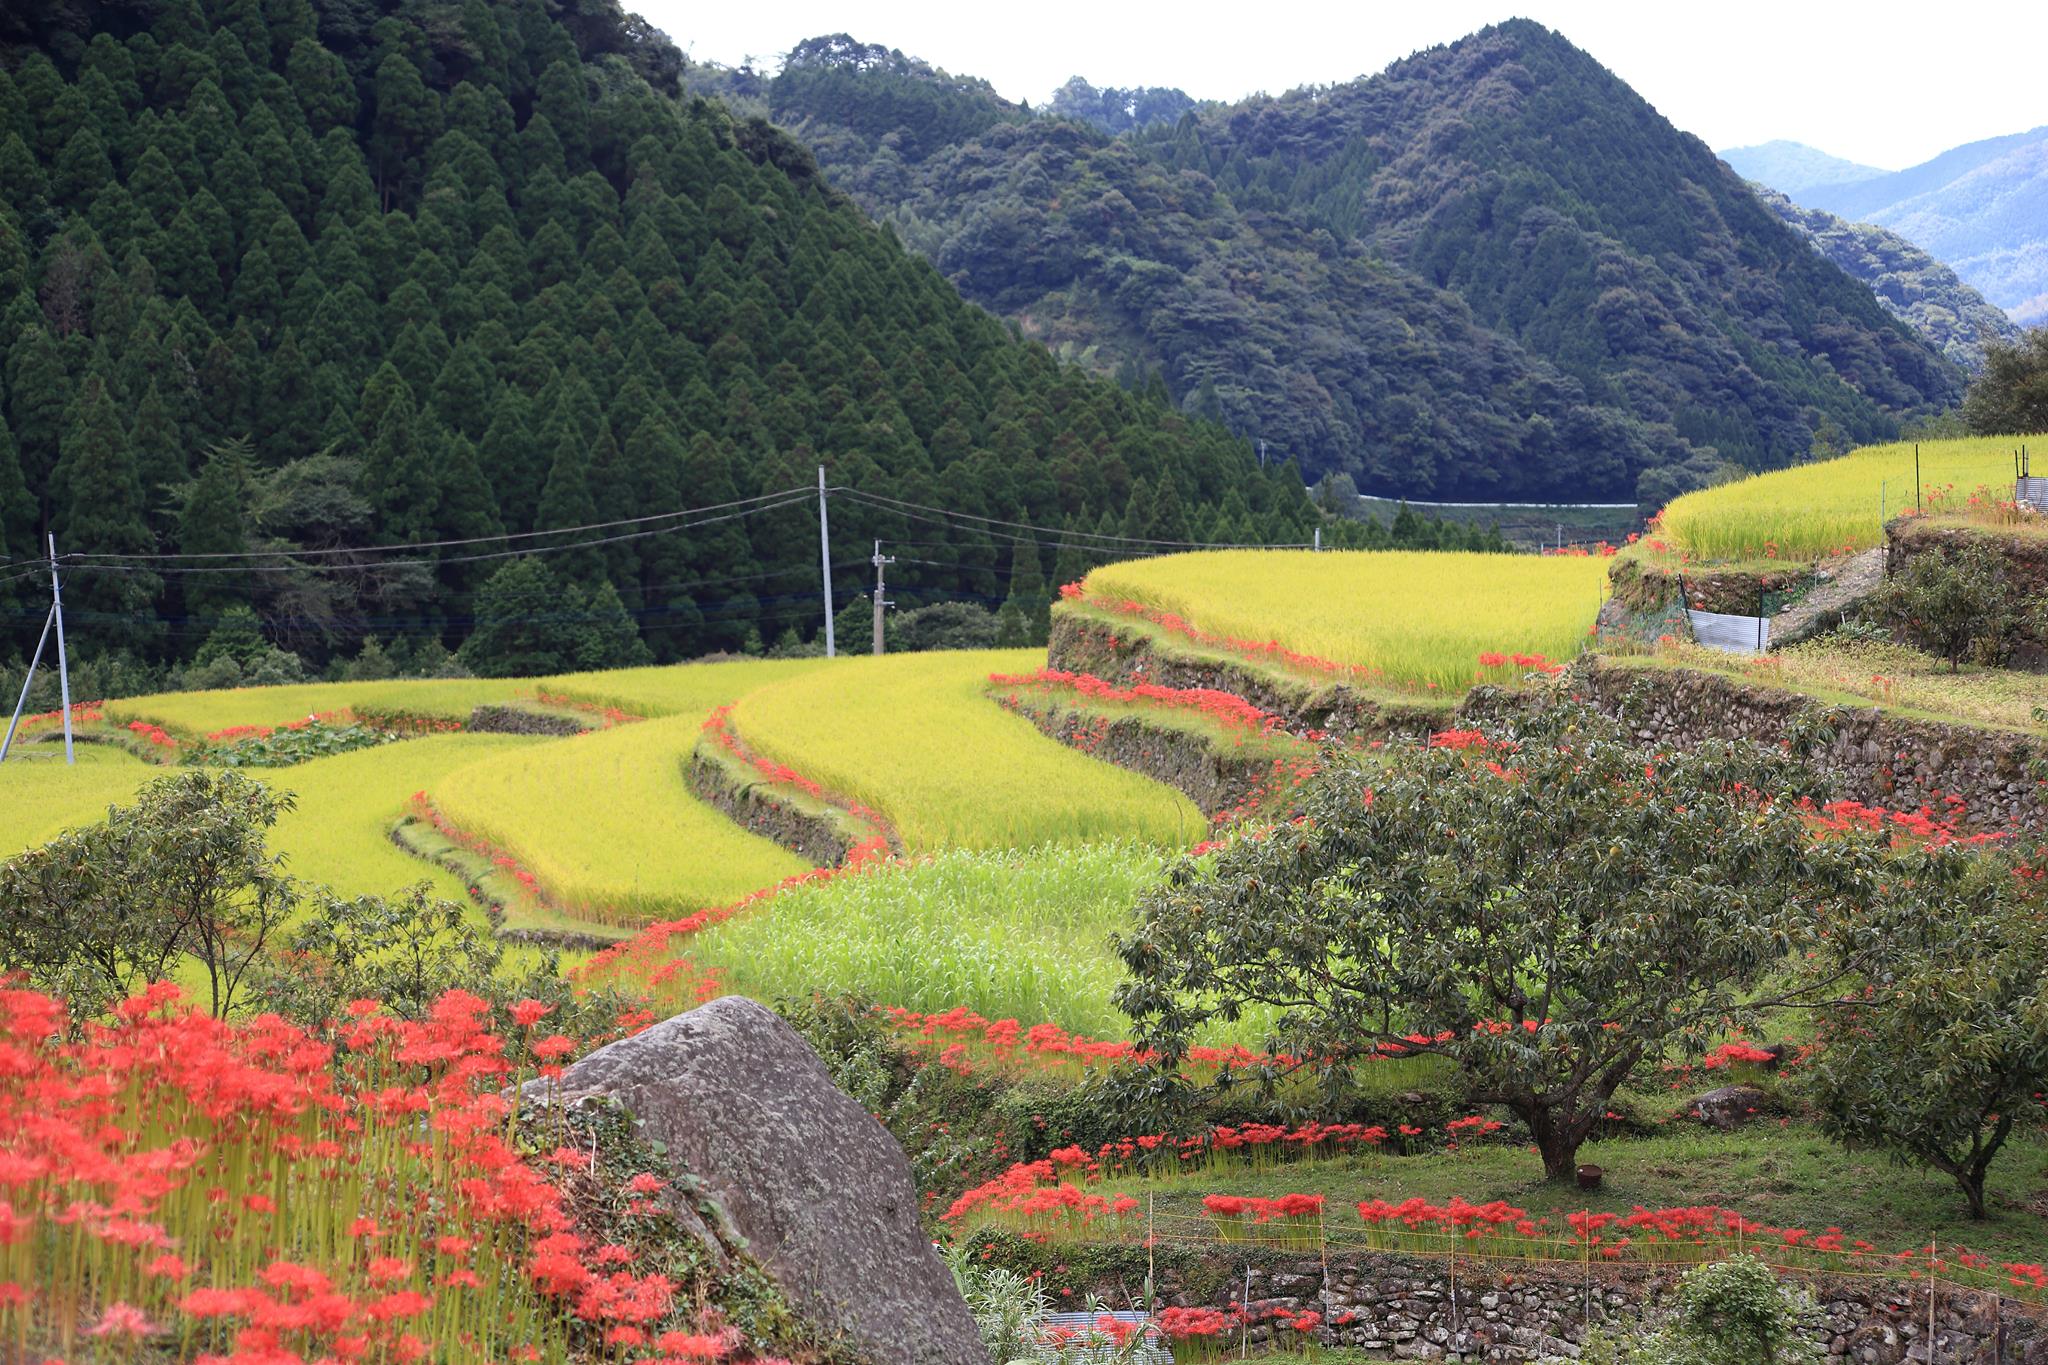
(167, 1128)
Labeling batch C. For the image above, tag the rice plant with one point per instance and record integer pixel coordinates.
(1835, 505)
(608, 825)
(1408, 620)
(915, 737)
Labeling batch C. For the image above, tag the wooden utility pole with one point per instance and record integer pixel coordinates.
(881, 562)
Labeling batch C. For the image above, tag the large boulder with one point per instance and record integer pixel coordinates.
(819, 1190)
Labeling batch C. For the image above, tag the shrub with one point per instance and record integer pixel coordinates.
(1732, 1312)
(98, 912)
(1958, 605)
(2010, 397)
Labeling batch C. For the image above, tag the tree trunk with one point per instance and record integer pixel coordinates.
(1972, 1181)
(1558, 1142)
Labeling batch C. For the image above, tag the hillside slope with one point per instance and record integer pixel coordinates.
(1289, 265)
(1981, 207)
(1513, 169)
(473, 272)
(1912, 285)
(1793, 167)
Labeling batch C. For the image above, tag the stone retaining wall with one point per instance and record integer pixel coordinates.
(1081, 644)
(817, 838)
(1183, 761)
(517, 720)
(1875, 757)
(1428, 1310)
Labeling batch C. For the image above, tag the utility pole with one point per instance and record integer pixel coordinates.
(824, 562)
(1319, 538)
(63, 664)
(881, 562)
(1262, 452)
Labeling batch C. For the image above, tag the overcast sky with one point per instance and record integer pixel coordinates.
(1886, 86)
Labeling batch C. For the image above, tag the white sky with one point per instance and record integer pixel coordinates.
(1878, 82)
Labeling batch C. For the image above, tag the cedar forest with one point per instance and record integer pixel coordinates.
(279, 278)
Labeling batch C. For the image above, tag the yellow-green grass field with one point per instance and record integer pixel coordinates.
(1415, 621)
(338, 835)
(608, 825)
(673, 689)
(1832, 506)
(915, 737)
(41, 796)
(606, 820)
(204, 713)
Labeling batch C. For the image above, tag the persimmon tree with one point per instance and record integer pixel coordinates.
(1546, 905)
(1943, 1048)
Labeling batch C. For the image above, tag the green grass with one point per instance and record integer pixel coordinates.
(915, 737)
(1407, 620)
(339, 835)
(1890, 677)
(607, 824)
(1017, 934)
(1828, 507)
(1785, 1177)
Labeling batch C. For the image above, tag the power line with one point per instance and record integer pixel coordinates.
(371, 566)
(83, 556)
(889, 503)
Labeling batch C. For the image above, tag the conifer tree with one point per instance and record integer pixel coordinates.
(213, 523)
(100, 510)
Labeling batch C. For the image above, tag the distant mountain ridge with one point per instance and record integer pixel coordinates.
(1492, 271)
(1981, 207)
(1793, 167)
(1911, 284)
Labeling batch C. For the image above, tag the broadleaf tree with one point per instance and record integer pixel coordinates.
(1546, 905)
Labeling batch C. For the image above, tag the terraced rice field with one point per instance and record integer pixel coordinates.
(607, 824)
(915, 737)
(40, 796)
(1834, 505)
(204, 713)
(1407, 620)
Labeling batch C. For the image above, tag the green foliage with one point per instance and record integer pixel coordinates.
(1960, 604)
(102, 910)
(1474, 276)
(1009, 1307)
(407, 951)
(943, 625)
(481, 269)
(1732, 1312)
(1500, 900)
(2010, 397)
(284, 747)
(1946, 1048)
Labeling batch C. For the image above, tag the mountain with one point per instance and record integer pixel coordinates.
(300, 282)
(1492, 271)
(1913, 286)
(1793, 167)
(1982, 207)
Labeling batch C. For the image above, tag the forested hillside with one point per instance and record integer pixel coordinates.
(1912, 286)
(1981, 207)
(283, 284)
(1492, 271)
